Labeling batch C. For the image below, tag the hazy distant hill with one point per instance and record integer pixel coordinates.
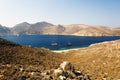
(88, 30)
(26, 28)
(72, 29)
(4, 30)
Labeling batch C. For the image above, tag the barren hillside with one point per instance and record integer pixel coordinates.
(100, 61)
(14, 57)
(88, 30)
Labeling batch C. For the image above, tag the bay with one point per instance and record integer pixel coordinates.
(58, 42)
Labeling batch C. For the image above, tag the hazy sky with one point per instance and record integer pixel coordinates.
(93, 12)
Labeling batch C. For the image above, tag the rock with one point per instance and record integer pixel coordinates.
(1, 75)
(104, 78)
(23, 77)
(47, 77)
(67, 66)
(58, 72)
(21, 69)
(65, 74)
(80, 77)
(66, 71)
(14, 71)
(78, 73)
(86, 77)
(32, 73)
(71, 75)
(8, 65)
(62, 77)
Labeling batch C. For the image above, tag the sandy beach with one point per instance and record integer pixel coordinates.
(67, 50)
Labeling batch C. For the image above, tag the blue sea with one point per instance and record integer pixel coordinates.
(58, 42)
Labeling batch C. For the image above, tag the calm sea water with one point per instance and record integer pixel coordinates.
(58, 42)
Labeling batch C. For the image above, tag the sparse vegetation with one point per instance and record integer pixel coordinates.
(17, 56)
(99, 61)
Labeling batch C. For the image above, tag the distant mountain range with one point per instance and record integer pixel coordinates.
(48, 28)
(4, 30)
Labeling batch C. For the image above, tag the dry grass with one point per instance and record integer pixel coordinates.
(99, 60)
(16, 55)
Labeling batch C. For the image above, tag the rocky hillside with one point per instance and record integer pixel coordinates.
(15, 58)
(101, 61)
(4, 30)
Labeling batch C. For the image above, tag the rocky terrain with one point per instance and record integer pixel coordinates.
(72, 29)
(15, 58)
(99, 61)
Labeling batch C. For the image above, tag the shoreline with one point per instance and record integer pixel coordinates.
(67, 50)
(62, 35)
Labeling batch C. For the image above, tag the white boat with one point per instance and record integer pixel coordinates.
(54, 44)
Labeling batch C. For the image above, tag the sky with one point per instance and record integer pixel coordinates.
(91, 12)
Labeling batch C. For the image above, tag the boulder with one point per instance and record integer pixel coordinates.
(62, 77)
(67, 66)
(58, 72)
(66, 71)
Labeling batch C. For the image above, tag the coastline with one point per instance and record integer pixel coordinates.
(67, 50)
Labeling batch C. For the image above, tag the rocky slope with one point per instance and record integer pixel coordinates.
(15, 58)
(101, 61)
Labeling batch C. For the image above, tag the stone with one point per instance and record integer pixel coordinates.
(78, 73)
(62, 77)
(67, 66)
(23, 77)
(47, 77)
(58, 72)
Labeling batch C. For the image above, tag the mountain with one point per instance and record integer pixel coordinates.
(88, 30)
(21, 28)
(26, 28)
(48, 28)
(73, 29)
(4, 30)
